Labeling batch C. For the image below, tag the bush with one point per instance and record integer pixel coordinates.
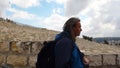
(87, 38)
(106, 42)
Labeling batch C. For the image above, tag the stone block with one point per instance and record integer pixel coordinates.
(21, 47)
(118, 60)
(2, 59)
(36, 47)
(17, 60)
(109, 59)
(32, 61)
(7, 66)
(4, 47)
(95, 60)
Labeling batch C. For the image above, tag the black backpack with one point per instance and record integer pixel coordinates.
(46, 57)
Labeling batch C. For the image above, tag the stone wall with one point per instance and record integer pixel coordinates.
(18, 54)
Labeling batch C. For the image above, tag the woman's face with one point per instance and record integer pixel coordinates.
(77, 29)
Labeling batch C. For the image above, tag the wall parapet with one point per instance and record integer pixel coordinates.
(16, 54)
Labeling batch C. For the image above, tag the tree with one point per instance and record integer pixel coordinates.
(87, 38)
(106, 42)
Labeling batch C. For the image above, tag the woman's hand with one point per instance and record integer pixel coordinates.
(86, 60)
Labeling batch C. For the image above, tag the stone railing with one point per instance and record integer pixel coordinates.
(24, 54)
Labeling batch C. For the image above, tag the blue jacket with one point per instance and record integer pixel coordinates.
(67, 54)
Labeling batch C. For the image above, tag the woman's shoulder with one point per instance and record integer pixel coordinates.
(67, 40)
(65, 43)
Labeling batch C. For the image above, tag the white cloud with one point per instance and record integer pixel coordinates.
(73, 7)
(99, 17)
(54, 22)
(57, 10)
(19, 14)
(25, 3)
(4, 4)
(57, 1)
(61, 1)
(104, 18)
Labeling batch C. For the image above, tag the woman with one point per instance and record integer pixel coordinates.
(67, 54)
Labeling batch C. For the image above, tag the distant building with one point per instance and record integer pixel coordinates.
(113, 42)
(108, 40)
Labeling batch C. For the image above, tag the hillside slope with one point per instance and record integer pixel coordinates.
(11, 31)
(89, 47)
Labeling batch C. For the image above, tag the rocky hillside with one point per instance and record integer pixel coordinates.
(11, 31)
(94, 48)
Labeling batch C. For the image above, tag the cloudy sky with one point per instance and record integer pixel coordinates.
(99, 18)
